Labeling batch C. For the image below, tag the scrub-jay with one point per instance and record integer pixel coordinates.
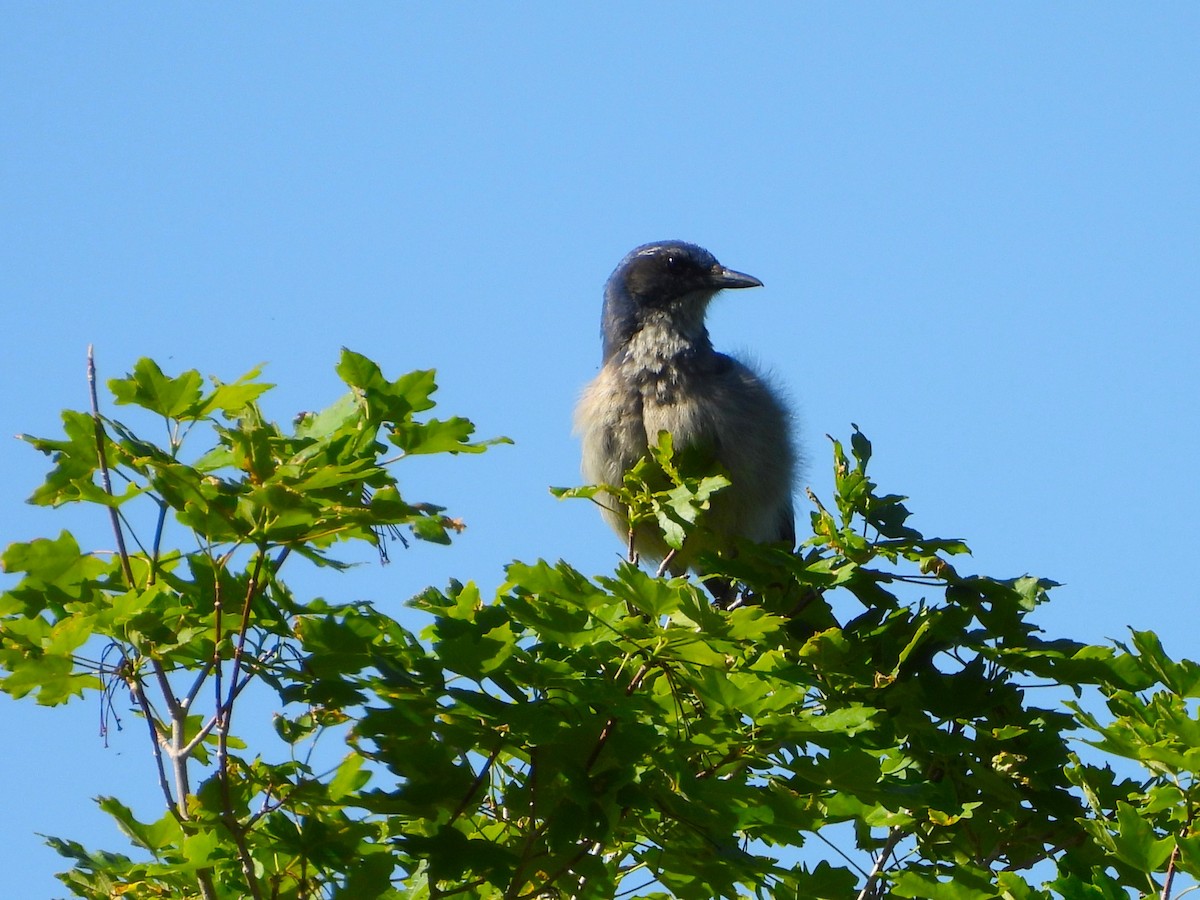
(661, 373)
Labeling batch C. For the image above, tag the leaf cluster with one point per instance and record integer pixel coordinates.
(866, 722)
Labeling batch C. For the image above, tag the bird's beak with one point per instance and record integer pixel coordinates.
(723, 278)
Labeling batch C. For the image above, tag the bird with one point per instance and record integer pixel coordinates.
(660, 372)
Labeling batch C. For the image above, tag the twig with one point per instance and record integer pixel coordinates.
(139, 694)
(889, 845)
(839, 851)
(664, 566)
(224, 720)
(157, 545)
(1166, 891)
(194, 691)
(168, 692)
(176, 805)
(475, 785)
(243, 628)
(514, 884)
(190, 747)
(601, 741)
(606, 732)
(103, 460)
(1173, 861)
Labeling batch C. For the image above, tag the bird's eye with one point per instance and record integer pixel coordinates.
(672, 263)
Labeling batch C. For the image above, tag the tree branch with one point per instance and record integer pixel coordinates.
(893, 838)
(102, 458)
(223, 720)
(143, 703)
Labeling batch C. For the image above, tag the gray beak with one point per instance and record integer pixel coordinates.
(723, 278)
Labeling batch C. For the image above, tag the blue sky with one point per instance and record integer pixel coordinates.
(976, 225)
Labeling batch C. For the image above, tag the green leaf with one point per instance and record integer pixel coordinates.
(52, 679)
(349, 777)
(148, 387)
(392, 401)
(76, 461)
(155, 837)
(965, 883)
(233, 397)
(437, 436)
(1136, 844)
(1182, 678)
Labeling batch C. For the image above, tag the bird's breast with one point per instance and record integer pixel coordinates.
(622, 411)
(675, 409)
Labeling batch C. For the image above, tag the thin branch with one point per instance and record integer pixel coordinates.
(475, 785)
(189, 748)
(712, 769)
(534, 830)
(168, 692)
(590, 847)
(1166, 891)
(103, 460)
(1174, 860)
(158, 534)
(839, 851)
(194, 691)
(177, 807)
(224, 720)
(547, 884)
(215, 662)
(135, 685)
(243, 628)
(893, 838)
(461, 889)
(665, 565)
(607, 730)
(178, 716)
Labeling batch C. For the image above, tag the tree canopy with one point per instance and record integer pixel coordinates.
(870, 721)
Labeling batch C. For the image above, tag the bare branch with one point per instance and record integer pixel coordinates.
(139, 695)
(868, 889)
(102, 457)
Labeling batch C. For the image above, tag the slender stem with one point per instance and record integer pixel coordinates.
(240, 647)
(839, 851)
(606, 732)
(591, 846)
(224, 720)
(889, 845)
(164, 685)
(548, 882)
(102, 457)
(157, 545)
(189, 748)
(139, 695)
(215, 662)
(177, 805)
(1174, 860)
(475, 785)
(534, 830)
(194, 691)
(1166, 891)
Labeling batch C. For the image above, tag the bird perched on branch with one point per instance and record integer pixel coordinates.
(661, 373)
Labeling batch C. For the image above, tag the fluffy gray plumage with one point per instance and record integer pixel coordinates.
(660, 372)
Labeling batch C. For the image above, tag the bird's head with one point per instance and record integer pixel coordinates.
(666, 280)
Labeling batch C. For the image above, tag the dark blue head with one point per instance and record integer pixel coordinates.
(667, 279)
